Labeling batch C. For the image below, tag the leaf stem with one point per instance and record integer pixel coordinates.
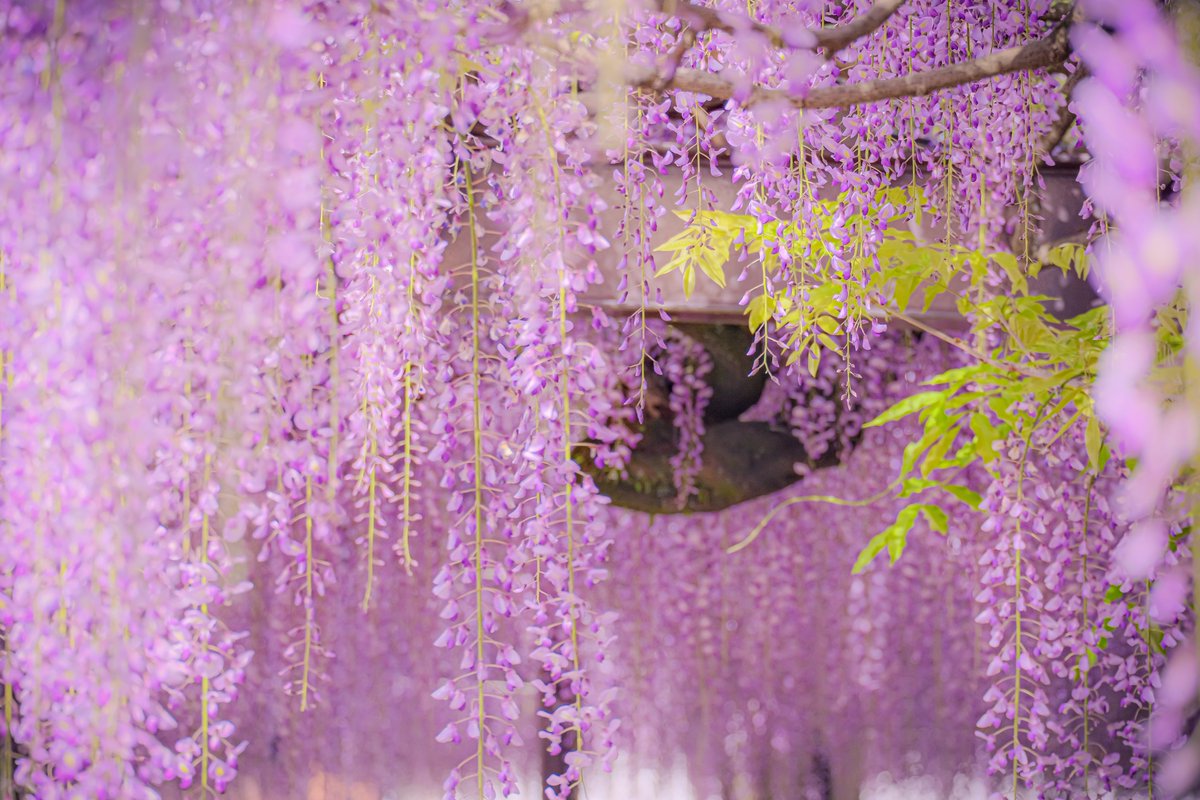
(954, 341)
(811, 498)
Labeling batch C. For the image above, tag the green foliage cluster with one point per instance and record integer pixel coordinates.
(1027, 368)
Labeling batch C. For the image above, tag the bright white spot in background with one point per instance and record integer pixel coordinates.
(630, 782)
(638, 783)
(626, 782)
(964, 787)
(884, 787)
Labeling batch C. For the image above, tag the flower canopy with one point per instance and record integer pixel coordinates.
(342, 356)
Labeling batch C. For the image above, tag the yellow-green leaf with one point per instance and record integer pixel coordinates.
(680, 241)
(1093, 440)
(937, 518)
(714, 266)
(910, 404)
(933, 458)
(874, 547)
(672, 265)
(828, 324)
(760, 309)
(962, 493)
(829, 342)
(1008, 263)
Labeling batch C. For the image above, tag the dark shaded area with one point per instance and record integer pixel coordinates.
(741, 460)
(823, 775)
(556, 763)
(731, 349)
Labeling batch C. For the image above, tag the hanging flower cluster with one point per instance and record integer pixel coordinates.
(1137, 125)
(787, 619)
(685, 365)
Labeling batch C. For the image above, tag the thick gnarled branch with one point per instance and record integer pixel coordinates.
(835, 37)
(1046, 53)
(830, 39)
(1066, 117)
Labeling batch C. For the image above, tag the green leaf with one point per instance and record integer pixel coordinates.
(935, 457)
(712, 264)
(898, 530)
(986, 435)
(822, 298)
(912, 451)
(829, 343)
(828, 325)
(1093, 440)
(935, 427)
(936, 517)
(672, 265)
(957, 375)
(894, 538)
(867, 555)
(680, 241)
(1069, 256)
(798, 347)
(904, 288)
(760, 309)
(933, 290)
(1008, 263)
(1001, 406)
(913, 486)
(1154, 637)
(908, 405)
(964, 494)
(963, 456)
(964, 399)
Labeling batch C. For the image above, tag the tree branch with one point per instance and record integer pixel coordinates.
(1045, 53)
(835, 37)
(1066, 117)
(830, 38)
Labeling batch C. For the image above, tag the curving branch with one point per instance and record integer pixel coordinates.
(1047, 53)
(835, 37)
(830, 38)
(1066, 117)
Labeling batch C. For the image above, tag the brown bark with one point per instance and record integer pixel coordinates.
(1050, 52)
(830, 38)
